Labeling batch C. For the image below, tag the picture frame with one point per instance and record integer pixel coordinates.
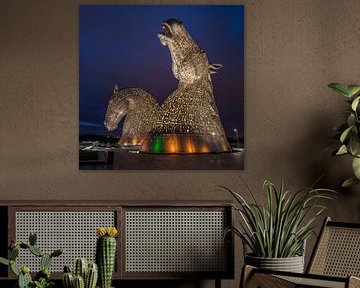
(143, 108)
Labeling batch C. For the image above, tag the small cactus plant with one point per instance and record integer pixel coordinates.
(85, 275)
(81, 267)
(79, 282)
(42, 278)
(91, 276)
(68, 278)
(106, 254)
(25, 279)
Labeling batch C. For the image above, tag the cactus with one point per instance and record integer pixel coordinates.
(68, 280)
(45, 261)
(14, 268)
(32, 238)
(25, 269)
(91, 276)
(24, 280)
(67, 269)
(24, 245)
(13, 253)
(44, 273)
(90, 272)
(42, 278)
(80, 268)
(57, 252)
(106, 254)
(79, 282)
(24, 277)
(36, 251)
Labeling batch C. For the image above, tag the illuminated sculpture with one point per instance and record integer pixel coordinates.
(139, 109)
(188, 121)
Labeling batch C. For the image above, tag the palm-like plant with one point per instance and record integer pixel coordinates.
(280, 229)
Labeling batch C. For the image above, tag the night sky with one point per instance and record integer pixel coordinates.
(119, 45)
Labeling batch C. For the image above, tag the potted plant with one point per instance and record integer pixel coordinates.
(87, 274)
(42, 278)
(84, 274)
(349, 132)
(276, 233)
(106, 254)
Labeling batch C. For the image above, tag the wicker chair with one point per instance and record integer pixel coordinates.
(334, 263)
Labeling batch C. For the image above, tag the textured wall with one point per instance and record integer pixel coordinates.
(293, 49)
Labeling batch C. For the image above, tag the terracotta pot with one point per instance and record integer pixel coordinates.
(291, 264)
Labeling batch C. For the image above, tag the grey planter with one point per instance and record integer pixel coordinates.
(291, 264)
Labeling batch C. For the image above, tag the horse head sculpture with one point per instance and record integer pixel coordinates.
(189, 62)
(139, 109)
(116, 110)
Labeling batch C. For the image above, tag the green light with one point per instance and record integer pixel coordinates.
(157, 145)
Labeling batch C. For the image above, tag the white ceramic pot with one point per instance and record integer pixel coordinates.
(291, 264)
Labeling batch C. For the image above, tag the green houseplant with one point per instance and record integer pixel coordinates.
(42, 278)
(349, 132)
(106, 254)
(84, 274)
(275, 233)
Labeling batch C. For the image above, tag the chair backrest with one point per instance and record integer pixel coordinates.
(337, 251)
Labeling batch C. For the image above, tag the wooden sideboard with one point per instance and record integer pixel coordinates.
(157, 240)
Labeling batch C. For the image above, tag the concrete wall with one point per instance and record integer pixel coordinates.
(293, 50)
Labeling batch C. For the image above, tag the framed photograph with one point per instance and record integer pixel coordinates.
(161, 87)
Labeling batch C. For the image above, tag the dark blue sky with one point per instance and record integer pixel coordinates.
(119, 45)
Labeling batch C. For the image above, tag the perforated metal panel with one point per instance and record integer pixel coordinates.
(175, 241)
(75, 231)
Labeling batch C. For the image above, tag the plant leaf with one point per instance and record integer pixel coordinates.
(356, 167)
(248, 190)
(342, 150)
(355, 103)
(351, 120)
(349, 182)
(345, 134)
(354, 145)
(340, 88)
(4, 261)
(353, 89)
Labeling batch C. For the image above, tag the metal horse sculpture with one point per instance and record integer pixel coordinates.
(188, 121)
(139, 109)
